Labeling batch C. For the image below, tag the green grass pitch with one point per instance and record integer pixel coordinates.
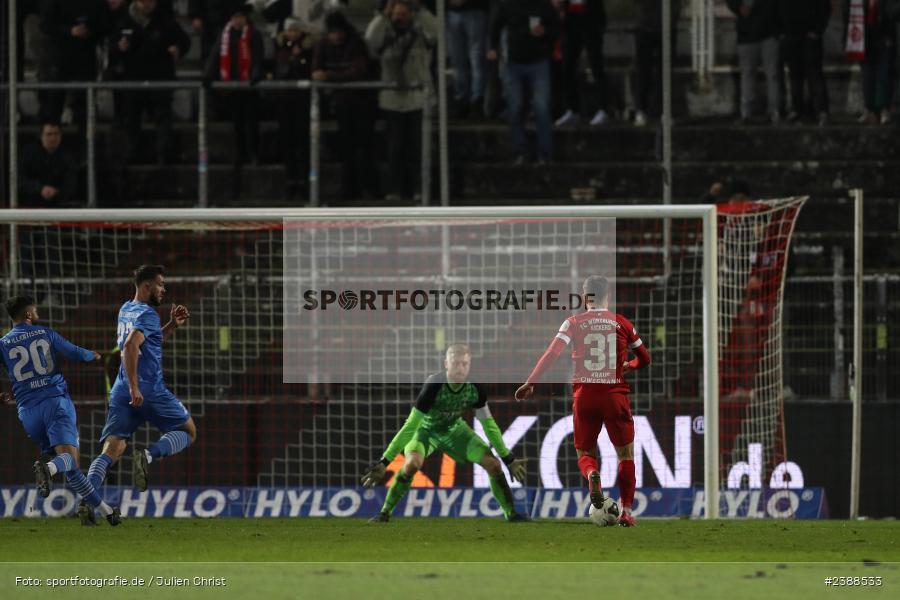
(452, 558)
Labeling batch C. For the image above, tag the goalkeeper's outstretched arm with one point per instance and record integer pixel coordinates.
(403, 437)
(515, 465)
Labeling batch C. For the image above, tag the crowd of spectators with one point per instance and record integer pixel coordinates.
(538, 44)
(773, 33)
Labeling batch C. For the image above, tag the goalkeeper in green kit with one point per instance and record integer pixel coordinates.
(435, 423)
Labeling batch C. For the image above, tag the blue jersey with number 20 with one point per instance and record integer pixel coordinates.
(143, 317)
(31, 354)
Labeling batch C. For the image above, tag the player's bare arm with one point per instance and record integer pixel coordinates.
(130, 353)
(546, 361)
(177, 317)
(525, 391)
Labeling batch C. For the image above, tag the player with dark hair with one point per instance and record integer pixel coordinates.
(435, 423)
(31, 353)
(139, 393)
(600, 340)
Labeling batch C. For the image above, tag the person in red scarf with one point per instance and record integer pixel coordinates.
(874, 42)
(239, 58)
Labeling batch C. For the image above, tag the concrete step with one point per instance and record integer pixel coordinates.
(484, 181)
(488, 142)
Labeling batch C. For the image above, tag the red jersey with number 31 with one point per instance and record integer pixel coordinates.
(600, 340)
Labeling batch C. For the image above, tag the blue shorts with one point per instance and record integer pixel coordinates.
(51, 423)
(163, 410)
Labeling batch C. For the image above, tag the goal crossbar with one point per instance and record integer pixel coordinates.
(132, 215)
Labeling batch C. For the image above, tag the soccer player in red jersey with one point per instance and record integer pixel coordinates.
(600, 340)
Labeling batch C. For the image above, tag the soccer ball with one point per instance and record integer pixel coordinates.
(606, 515)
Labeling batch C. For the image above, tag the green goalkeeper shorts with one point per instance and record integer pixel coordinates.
(459, 442)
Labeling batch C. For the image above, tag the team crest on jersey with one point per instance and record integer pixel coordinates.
(598, 325)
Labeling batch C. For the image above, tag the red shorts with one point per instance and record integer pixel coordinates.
(592, 412)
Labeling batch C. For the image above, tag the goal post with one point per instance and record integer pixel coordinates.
(711, 482)
(231, 261)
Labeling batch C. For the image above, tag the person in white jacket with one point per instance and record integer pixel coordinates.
(403, 37)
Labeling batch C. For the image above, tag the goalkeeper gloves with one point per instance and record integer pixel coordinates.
(516, 467)
(374, 474)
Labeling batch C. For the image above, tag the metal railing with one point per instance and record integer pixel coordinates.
(703, 38)
(314, 87)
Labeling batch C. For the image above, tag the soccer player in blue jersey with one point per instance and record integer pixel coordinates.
(140, 394)
(31, 353)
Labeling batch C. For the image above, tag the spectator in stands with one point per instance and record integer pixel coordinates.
(293, 62)
(208, 17)
(343, 57)
(532, 27)
(648, 44)
(494, 94)
(877, 48)
(118, 10)
(757, 42)
(584, 22)
(466, 31)
(24, 8)
(310, 12)
(147, 42)
(403, 37)
(803, 23)
(47, 174)
(73, 28)
(239, 59)
(115, 60)
(557, 83)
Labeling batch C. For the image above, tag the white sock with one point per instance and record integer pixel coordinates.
(149, 456)
(105, 509)
(52, 468)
